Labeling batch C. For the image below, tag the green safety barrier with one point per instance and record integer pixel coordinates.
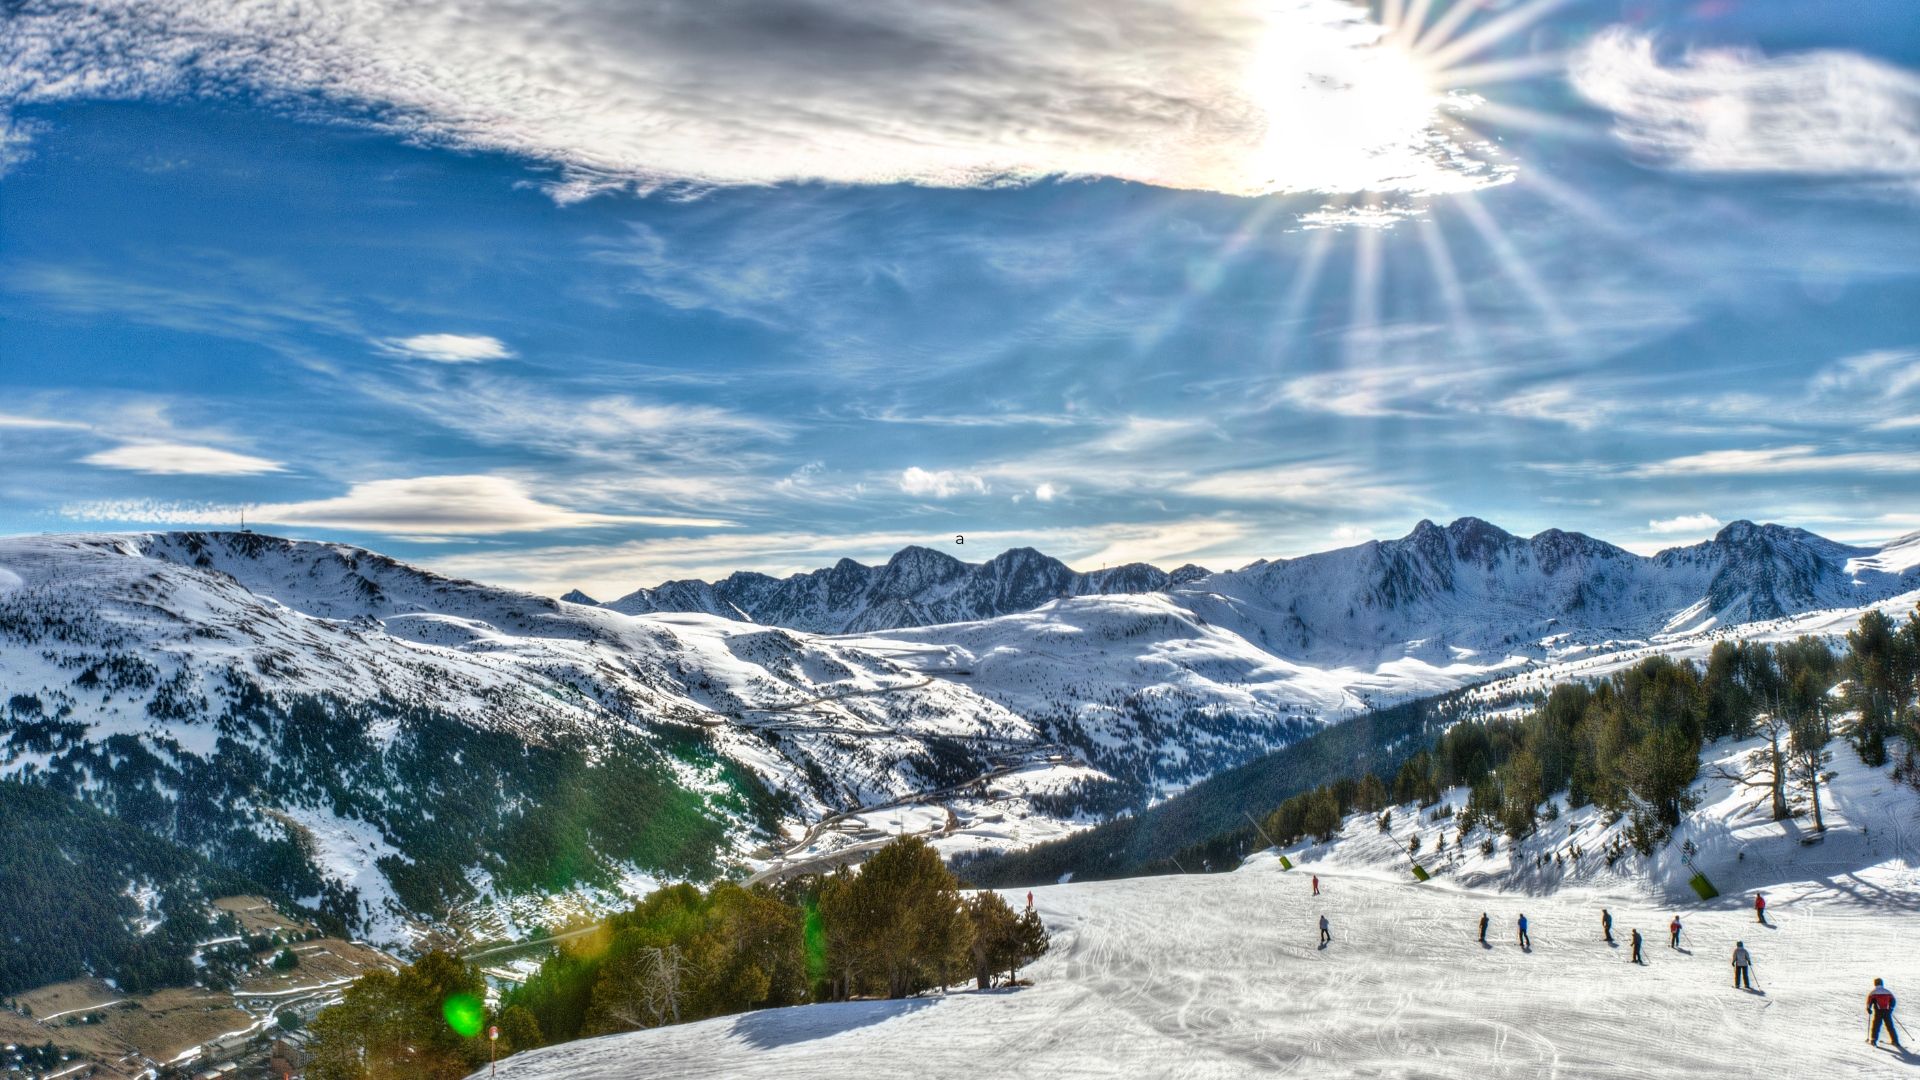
(1419, 872)
(1702, 886)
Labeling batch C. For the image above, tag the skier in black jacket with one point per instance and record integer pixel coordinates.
(1606, 925)
(1483, 928)
(1636, 946)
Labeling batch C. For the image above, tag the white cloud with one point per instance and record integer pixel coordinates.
(1778, 460)
(1824, 113)
(612, 570)
(449, 348)
(940, 484)
(11, 421)
(1237, 96)
(1313, 484)
(425, 505)
(1045, 492)
(1876, 375)
(1689, 524)
(180, 459)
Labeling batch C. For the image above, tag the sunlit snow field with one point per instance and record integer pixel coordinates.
(1220, 975)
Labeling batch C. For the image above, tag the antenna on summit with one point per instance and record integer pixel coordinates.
(243, 520)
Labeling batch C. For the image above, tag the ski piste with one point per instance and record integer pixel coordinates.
(1222, 975)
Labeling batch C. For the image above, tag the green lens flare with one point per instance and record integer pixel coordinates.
(465, 1014)
(814, 935)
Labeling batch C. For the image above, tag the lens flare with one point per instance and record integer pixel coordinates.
(465, 1014)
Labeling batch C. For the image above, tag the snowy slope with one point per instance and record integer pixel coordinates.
(1151, 691)
(228, 686)
(1165, 688)
(263, 697)
(1220, 976)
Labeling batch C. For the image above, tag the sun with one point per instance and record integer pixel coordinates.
(1367, 116)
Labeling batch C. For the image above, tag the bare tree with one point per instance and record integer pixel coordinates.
(644, 989)
(1812, 730)
(1773, 768)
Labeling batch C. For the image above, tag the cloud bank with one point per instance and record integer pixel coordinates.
(1237, 96)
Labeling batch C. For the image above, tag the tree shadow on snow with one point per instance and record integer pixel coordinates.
(769, 1028)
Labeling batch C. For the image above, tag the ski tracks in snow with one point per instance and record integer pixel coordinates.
(1201, 977)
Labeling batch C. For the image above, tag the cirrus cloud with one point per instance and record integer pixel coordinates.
(1237, 96)
(414, 506)
(1820, 113)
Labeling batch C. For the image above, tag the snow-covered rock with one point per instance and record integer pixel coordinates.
(917, 587)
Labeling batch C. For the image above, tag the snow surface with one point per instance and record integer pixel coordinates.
(325, 618)
(1219, 975)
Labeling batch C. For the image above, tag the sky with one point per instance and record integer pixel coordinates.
(561, 294)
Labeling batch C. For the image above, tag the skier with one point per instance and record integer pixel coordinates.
(1316, 884)
(1483, 928)
(1673, 931)
(1760, 909)
(1606, 925)
(1525, 942)
(1880, 1008)
(1029, 899)
(1636, 946)
(1326, 936)
(1741, 963)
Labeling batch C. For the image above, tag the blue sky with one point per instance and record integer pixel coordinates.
(549, 298)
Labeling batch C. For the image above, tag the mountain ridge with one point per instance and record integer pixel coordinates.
(1746, 571)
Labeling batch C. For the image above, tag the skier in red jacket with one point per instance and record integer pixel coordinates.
(1880, 1008)
(1759, 908)
(1316, 884)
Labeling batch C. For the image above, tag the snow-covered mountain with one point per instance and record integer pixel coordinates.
(1473, 587)
(1466, 585)
(387, 744)
(1166, 688)
(917, 587)
(396, 747)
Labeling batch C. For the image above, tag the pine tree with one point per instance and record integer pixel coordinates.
(994, 925)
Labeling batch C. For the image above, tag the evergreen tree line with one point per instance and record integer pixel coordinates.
(898, 926)
(1207, 825)
(1630, 744)
(65, 906)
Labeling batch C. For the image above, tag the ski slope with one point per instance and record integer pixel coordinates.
(1219, 975)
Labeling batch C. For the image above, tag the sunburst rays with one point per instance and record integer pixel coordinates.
(1465, 51)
